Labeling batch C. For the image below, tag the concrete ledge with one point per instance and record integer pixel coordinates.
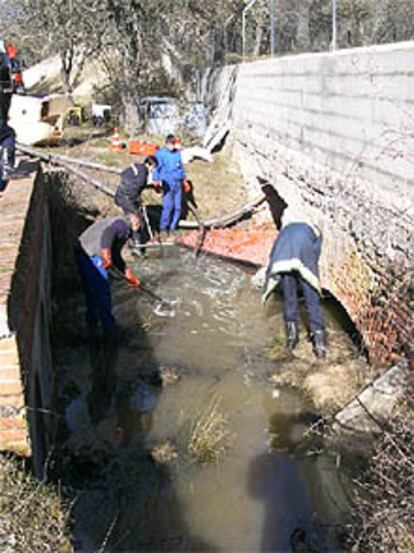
(15, 205)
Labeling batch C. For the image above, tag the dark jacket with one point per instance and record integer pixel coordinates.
(111, 232)
(296, 249)
(133, 180)
(6, 132)
(6, 81)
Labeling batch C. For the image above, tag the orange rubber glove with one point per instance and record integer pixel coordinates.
(106, 255)
(186, 186)
(133, 280)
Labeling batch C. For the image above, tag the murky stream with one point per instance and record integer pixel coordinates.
(140, 486)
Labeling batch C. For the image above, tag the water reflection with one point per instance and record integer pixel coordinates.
(263, 495)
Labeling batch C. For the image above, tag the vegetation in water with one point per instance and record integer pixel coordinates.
(210, 434)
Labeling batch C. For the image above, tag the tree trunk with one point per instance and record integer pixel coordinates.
(130, 119)
(258, 38)
(66, 58)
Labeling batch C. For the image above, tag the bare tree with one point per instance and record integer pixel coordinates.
(71, 29)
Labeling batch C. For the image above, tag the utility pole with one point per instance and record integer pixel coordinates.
(245, 10)
(272, 12)
(333, 43)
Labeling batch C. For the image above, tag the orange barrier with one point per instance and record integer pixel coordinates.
(116, 142)
(141, 148)
(248, 246)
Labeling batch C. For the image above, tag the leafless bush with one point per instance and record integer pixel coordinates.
(384, 515)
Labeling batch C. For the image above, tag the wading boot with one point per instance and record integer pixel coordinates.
(292, 335)
(319, 343)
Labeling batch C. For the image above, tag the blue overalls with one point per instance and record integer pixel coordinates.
(171, 172)
(95, 280)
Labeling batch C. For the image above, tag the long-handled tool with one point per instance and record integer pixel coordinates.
(147, 222)
(164, 308)
(151, 233)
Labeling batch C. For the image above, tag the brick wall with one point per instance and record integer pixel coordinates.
(333, 134)
(25, 367)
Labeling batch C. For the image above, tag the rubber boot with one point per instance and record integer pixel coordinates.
(292, 335)
(319, 343)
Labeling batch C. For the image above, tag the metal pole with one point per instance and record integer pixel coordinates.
(272, 11)
(245, 10)
(226, 46)
(333, 45)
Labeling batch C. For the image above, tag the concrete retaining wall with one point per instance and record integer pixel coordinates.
(25, 361)
(334, 134)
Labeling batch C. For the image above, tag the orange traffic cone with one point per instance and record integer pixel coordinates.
(116, 143)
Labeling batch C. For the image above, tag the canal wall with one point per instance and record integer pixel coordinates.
(333, 133)
(25, 303)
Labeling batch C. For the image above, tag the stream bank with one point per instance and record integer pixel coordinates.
(132, 446)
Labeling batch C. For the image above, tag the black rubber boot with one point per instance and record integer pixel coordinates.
(319, 343)
(292, 335)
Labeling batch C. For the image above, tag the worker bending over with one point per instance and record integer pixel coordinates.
(128, 196)
(169, 176)
(98, 250)
(294, 260)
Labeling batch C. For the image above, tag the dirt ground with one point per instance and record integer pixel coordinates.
(218, 186)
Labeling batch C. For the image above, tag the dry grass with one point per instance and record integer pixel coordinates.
(164, 453)
(218, 186)
(384, 506)
(210, 434)
(330, 383)
(31, 514)
(332, 386)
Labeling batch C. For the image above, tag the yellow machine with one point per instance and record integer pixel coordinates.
(74, 116)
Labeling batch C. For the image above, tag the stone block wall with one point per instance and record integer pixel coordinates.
(334, 135)
(25, 363)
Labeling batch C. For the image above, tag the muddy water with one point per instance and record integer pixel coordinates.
(139, 486)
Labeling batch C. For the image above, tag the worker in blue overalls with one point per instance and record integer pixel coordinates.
(169, 175)
(98, 250)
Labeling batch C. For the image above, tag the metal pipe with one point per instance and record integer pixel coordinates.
(226, 24)
(245, 10)
(272, 11)
(217, 222)
(334, 33)
(46, 156)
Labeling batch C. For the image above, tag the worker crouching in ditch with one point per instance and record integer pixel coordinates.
(294, 260)
(128, 197)
(98, 250)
